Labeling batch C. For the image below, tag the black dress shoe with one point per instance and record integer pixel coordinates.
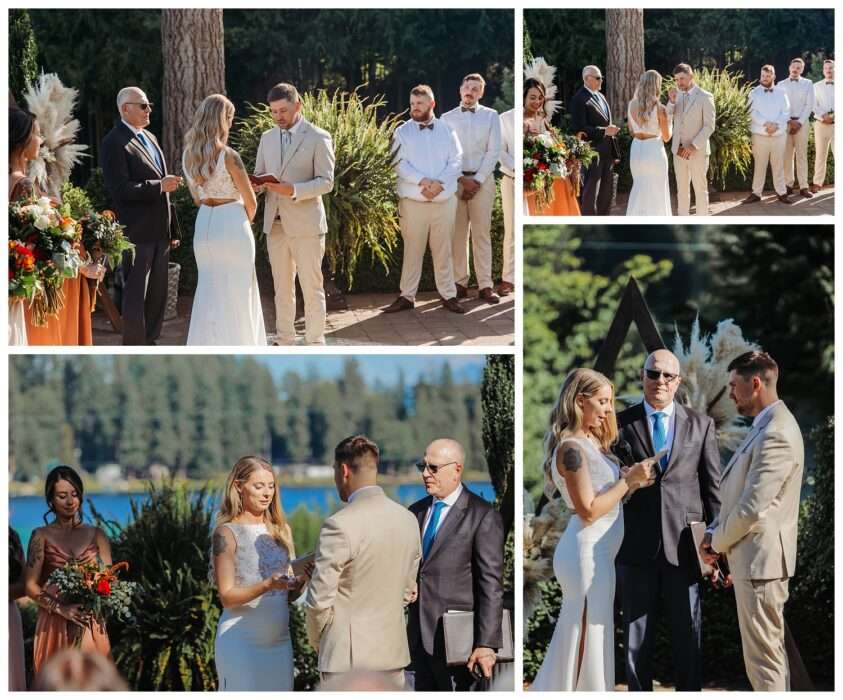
(453, 305)
(751, 199)
(784, 199)
(806, 193)
(488, 295)
(400, 304)
(789, 189)
(462, 292)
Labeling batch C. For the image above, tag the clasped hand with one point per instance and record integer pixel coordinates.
(470, 187)
(639, 475)
(430, 188)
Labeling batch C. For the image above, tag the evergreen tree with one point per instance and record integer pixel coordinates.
(498, 394)
(23, 53)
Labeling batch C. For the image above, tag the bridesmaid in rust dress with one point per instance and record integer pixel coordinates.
(72, 324)
(63, 540)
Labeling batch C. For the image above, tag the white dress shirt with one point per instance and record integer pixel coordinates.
(449, 501)
(602, 101)
(800, 94)
(823, 98)
(479, 134)
(433, 153)
(136, 131)
(684, 98)
(768, 105)
(670, 419)
(507, 159)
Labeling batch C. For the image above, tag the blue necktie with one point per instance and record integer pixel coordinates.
(153, 152)
(430, 533)
(659, 435)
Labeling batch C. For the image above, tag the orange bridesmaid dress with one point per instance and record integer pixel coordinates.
(564, 201)
(51, 630)
(72, 324)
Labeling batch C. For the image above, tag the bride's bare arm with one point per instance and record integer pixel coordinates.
(235, 167)
(572, 464)
(664, 124)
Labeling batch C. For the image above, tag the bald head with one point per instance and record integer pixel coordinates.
(660, 378)
(446, 457)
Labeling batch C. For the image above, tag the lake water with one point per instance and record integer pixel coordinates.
(25, 512)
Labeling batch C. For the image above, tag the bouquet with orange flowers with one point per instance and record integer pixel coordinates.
(103, 237)
(100, 594)
(52, 236)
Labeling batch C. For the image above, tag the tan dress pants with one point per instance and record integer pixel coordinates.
(768, 150)
(423, 224)
(474, 221)
(760, 604)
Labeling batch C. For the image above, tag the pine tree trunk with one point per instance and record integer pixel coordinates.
(624, 57)
(194, 67)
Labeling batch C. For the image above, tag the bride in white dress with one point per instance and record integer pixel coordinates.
(250, 564)
(227, 305)
(650, 129)
(579, 464)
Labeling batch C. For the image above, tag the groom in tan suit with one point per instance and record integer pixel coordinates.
(759, 511)
(365, 572)
(692, 110)
(301, 157)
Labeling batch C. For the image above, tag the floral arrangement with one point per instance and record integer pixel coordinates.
(545, 159)
(103, 237)
(51, 236)
(96, 589)
(580, 154)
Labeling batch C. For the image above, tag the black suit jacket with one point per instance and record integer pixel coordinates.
(587, 116)
(657, 517)
(462, 572)
(133, 182)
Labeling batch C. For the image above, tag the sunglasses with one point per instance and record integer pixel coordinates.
(432, 468)
(654, 374)
(145, 106)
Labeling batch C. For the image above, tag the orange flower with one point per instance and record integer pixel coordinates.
(108, 214)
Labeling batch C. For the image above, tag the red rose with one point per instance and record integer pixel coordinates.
(542, 166)
(104, 587)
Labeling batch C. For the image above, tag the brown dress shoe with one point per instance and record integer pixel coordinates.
(462, 292)
(400, 304)
(453, 305)
(784, 199)
(789, 189)
(488, 295)
(751, 199)
(506, 288)
(806, 193)
(815, 188)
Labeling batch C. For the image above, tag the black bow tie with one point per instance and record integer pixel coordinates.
(422, 127)
(468, 109)
(768, 89)
(794, 80)
(829, 82)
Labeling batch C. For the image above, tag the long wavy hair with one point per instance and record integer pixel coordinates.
(64, 473)
(207, 136)
(232, 505)
(647, 93)
(566, 417)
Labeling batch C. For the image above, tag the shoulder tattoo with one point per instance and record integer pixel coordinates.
(237, 161)
(220, 543)
(36, 551)
(571, 459)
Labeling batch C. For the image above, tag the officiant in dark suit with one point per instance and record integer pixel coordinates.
(657, 565)
(138, 186)
(462, 567)
(591, 113)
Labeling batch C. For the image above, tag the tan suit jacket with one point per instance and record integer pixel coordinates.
(693, 120)
(366, 562)
(308, 164)
(759, 500)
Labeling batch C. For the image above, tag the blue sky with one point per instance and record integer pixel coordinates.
(379, 367)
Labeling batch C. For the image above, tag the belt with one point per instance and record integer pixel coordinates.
(469, 173)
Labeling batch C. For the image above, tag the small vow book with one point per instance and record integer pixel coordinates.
(697, 535)
(264, 179)
(301, 563)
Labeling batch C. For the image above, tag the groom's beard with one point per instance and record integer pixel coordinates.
(422, 118)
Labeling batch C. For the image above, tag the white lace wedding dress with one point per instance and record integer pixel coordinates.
(253, 650)
(650, 195)
(227, 305)
(584, 564)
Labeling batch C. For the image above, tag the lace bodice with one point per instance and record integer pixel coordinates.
(649, 125)
(218, 186)
(258, 555)
(602, 470)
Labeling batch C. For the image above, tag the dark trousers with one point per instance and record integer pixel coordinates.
(599, 186)
(145, 292)
(432, 673)
(645, 590)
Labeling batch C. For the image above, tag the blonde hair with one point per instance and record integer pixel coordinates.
(208, 134)
(566, 417)
(647, 93)
(273, 517)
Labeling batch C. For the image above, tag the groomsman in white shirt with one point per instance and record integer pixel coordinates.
(770, 112)
(823, 124)
(507, 161)
(800, 94)
(478, 129)
(428, 162)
